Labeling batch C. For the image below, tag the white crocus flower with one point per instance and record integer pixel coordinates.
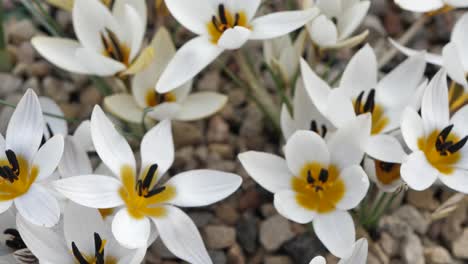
(142, 197)
(359, 93)
(179, 104)
(318, 181)
(338, 20)
(305, 116)
(438, 142)
(430, 5)
(221, 25)
(108, 41)
(358, 255)
(385, 175)
(24, 167)
(85, 239)
(454, 56)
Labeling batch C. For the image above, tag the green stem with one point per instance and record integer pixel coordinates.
(71, 120)
(39, 17)
(49, 19)
(382, 210)
(281, 88)
(101, 85)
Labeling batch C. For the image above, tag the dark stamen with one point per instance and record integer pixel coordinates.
(445, 132)
(459, 145)
(236, 22)
(386, 166)
(113, 45)
(15, 242)
(370, 103)
(358, 103)
(149, 176)
(310, 179)
(49, 129)
(323, 176)
(11, 156)
(318, 188)
(155, 191)
(222, 14)
(214, 20)
(324, 130)
(313, 126)
(98, 253)
(79, 257)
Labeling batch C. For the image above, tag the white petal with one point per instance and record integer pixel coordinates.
(111, 147)
(56, 125)
(318, 260)
(125, 107)
(370, 169)
(349, 42)
(281, 23)
(202, 187)
(435, 105)
(336, 231)
(5, 205)
(130, 232)
(268, 170)
(385, 148)
(200, 105)
(95, 191)
(288, 125)
(250, 7)
(49, 156)
(286, 204)
(348, 143)
(24, 133)
(323, 31)
(139, 6)
(458, 180)
(181, 237)
(332, 8)
(61, 52)
(352, 18)
(165, 111)
(417, 172)
(452, 61)
(340, 109)
(412, 128)
(194, 15)
(396, 89)
(460, 122)
(305, 147)
(359, 255)
(189, 60)
(361, 72)
(459, 37)
(457, 3)
(82, 136)
(430, 57)
(98, 64)
(234, 38)
(356, 186)
(421, 7)
(317, 89)
(44, 243)
(38, 206)
(134, 27)
(157, 147)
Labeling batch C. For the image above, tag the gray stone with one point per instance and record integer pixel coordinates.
(437, 255)
(460, 245)
(278, 260)
(395, 226)
(9, 83)
(247, 232)
(303, 248)
(218, 237)
(412, 250)
(413, 218)
(274, 232)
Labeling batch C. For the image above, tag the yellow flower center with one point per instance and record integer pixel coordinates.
(143, 197)
(99, 254)
(457, 97)
(318, 188)
(225, 20)
(387, 173)
(113, 48)
(154, 98)
(15, 176)
(441, 149)
(379, 120)
(106, 212)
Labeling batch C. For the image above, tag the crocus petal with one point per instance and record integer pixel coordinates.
(318, 260)
(286, 204)
(181, 237)
(24, 133)
(359, 255)
(95, 191)
(164, 111)
(5, 205)
(430, 57)
(268, 170)
(60, 52)
(200, 105)
(48, 157)
(385, 148)
(82, 136)
(417, 172)
(332, 8)
(111, 147)
(129, 231)
(457, 3)
(317, 89)
(305, 147)
(412, 128)
(340, 109)
(98, 64)
(124, 106)
(323, 31)
(452, 61)
(139, 6)
(157, 147)
(394, 88)
(281, 23)
(55, 125)
(460, 121)
(336, 231)
(435, 105)
(370, 169)
(189, 60)
(352, 18)
(202, 187)
(194, 15)
(356, 186)
(44, 243)
(134, 27)
(421, 7)
(361, 72)
(234, 38)
(459, 37)
(250, 7)
(288, 126)
(38, 206)
(75, 160)
(458, 180)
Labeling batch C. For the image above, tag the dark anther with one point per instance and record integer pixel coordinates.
(8, 174)
(99, 250)
(115, 42)
(310, 179)
(323, 176)
(313, 126)
(445, 133)
(370, 102)
(222, 14)
(324, 130)
(155, 191)
(358, 103)
(386, 166)
(214, 20)
(318, 188)
(15, 241)
(11, 156)
(236, 22)
(149, 176)
(78, 256)
(49, 129)
(457, 146)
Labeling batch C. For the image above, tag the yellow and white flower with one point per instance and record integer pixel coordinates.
(318, 181)
(386, 175)
(142, 197)
(85, 239)
(24, 167)
(360, 93)
(358, 255)
(438, 142)
(221, 25)
(430, 5)
(338, 20)
(178, 104)
(108, 40)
